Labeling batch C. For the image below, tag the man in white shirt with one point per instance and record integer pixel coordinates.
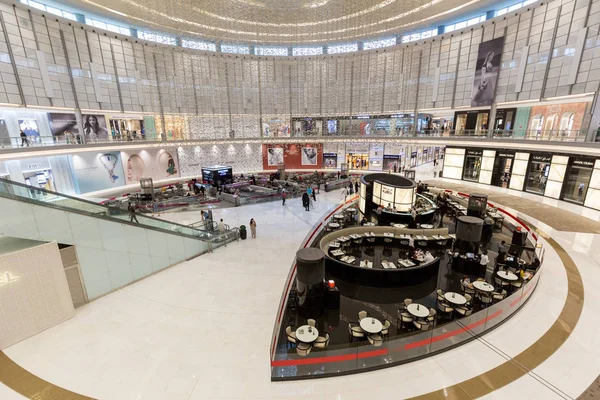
(483, 262)
(221, 226)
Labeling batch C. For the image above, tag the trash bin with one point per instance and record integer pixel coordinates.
(243, 232)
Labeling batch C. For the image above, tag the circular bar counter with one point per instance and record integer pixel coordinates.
(374, 275)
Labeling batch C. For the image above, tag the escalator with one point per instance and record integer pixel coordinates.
(112, 251)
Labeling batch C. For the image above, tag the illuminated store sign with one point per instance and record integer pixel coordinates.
(542, 158)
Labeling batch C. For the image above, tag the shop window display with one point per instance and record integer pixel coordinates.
(577, 179)
(537, 173)
(502, 169)
(472, 166)
(358, 161)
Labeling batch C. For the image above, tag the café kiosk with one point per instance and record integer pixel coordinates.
(383, 190)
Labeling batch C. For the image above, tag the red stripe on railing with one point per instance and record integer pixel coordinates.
(450, 334)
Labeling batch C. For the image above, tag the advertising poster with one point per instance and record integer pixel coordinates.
(486, 72)
(94, 128)
(330, 160)
(376, 157)
(274, 156)
(391, 163)
(158, 165)
(30, 128)
(63, 126)
(365, 128)
(97, 171)
(309, 155)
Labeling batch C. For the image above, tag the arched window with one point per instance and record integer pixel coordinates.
(566, 124)
(550, 124)
(537, 122)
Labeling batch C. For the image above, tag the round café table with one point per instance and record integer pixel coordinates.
(426, 226)
(303, 335)
(334, 225)
(338, 216)
(371, 325)
(483, 286)
(455, 298)
(507, 276)
(418, 310)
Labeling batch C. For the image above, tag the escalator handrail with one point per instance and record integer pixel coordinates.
(95, 215)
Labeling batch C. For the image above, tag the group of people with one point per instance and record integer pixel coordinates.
(307, 197)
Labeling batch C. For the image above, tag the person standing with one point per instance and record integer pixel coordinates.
(283, 196)
(155, 208)
(356, 186)
(338, 174)
(483, 262)
(253, 228)
(314, 194)
(24, 139)
(221, 226)
(131, 210)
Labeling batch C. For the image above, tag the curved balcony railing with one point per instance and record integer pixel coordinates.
(345, 359)
(547, 136)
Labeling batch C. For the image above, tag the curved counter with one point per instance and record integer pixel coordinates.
(377, 276)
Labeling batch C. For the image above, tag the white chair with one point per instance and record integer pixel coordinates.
(362, 315)
(486, 299)
(291, 334)
(355, 331)
(407, 302)
(500, 282)
(311, 322)
(464, 311)
(440, 295)
(404, 318)
(421, 325)
(516, 284)
(512, 269)
(468, 297)
(431, 316)
(303, 349)
(322, 341)
(386, 327)
(445, 309)
(375, 339)
(498, 296)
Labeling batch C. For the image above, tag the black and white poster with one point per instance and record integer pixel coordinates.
(94, 128)
(274, 156)
(309, 156)
(486, 72)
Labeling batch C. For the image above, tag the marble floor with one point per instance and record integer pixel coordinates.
(202, 329)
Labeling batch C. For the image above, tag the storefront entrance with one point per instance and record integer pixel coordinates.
(537, 173)
(502, 169)
(577, 179)
(357, 161)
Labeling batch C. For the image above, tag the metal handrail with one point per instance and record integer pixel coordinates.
(48, 198)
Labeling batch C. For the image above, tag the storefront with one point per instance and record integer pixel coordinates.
(307, 127)
(577, 179)
(502, 168)
(330, 160)
(504, 120)
(391, 163)
(471, 122)
(537, 173)
(276, 126)
(357, 161)
(175, 126)
(472, 165)
(126, 127)
(413, 159)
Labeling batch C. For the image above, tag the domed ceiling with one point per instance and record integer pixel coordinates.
(278, 21)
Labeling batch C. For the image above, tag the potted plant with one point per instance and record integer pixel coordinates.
(243, 232)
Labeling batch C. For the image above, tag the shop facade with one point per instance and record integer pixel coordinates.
(575, 179)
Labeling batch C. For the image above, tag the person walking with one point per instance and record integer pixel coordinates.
(306, 201)
(483, 263)
(356, 186)
(132, 215)
(24, 139)
(314, 194)
(253, 228)
(221, 226)
(283, 196)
